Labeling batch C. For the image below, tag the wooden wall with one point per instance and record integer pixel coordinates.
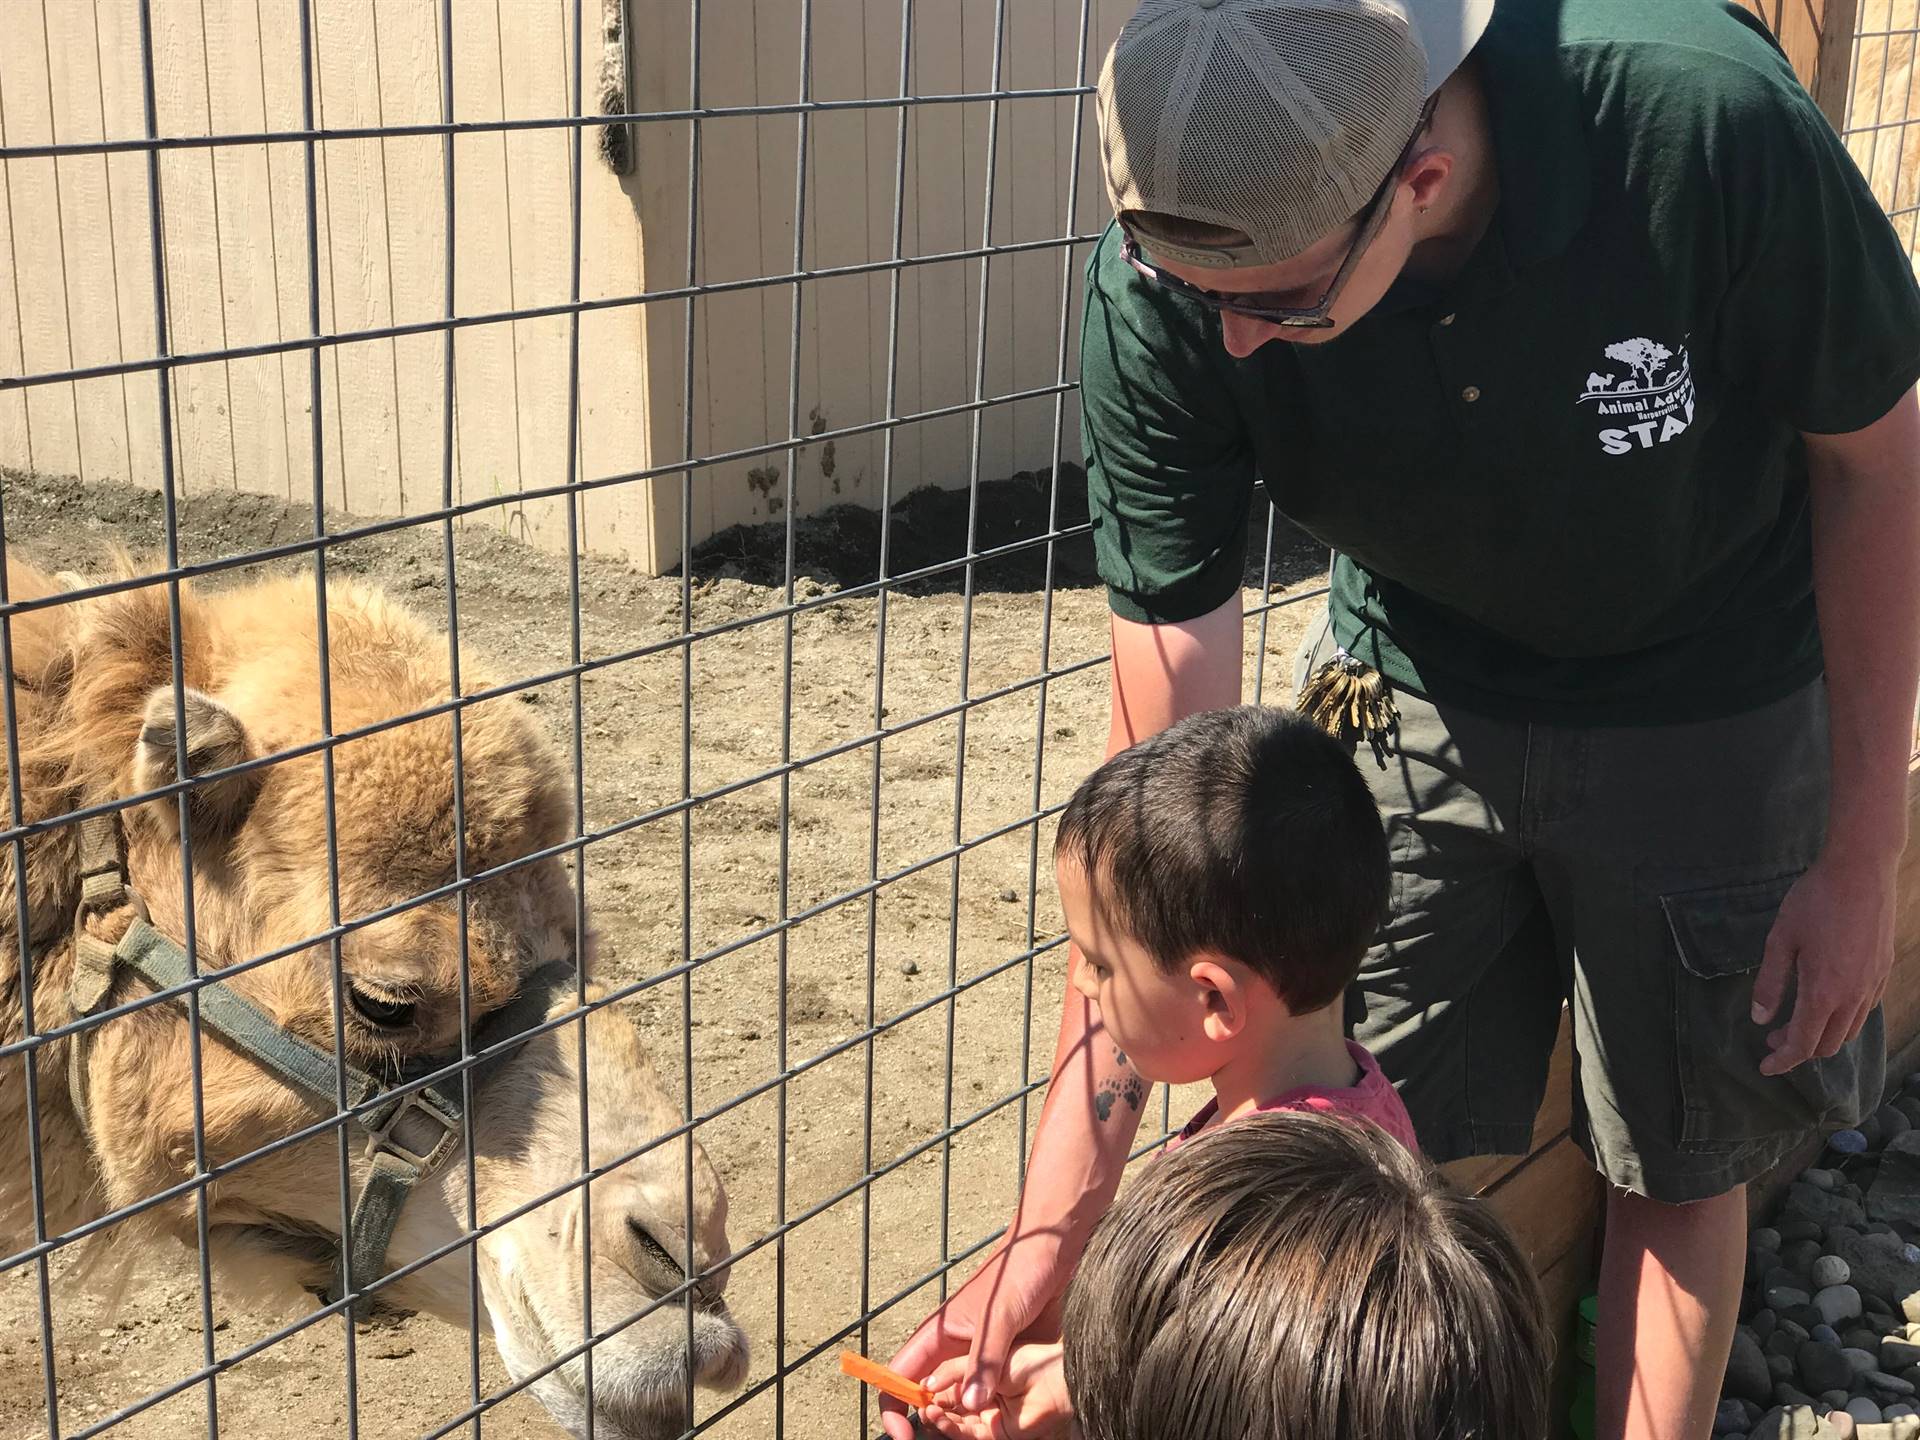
(744, 341)
(74, 241)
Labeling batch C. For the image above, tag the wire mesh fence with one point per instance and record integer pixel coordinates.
(478, 385)
(1882, 126)
(471, 620)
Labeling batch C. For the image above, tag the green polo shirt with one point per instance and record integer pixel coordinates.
(1570, 484)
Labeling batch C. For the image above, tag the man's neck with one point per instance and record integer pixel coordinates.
(1296, 1052)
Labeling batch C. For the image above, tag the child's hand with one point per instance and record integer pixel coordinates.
(1032, 1403)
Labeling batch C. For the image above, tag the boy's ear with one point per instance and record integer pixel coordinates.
(1227, 996)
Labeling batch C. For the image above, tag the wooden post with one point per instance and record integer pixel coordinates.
(1818, 38)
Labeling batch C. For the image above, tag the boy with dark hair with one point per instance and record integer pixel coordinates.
(1222, 881)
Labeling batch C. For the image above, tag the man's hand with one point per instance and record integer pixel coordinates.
(1032, 1403)
(1834, 937)
(1009, 1296)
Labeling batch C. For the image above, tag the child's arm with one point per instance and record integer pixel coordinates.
(1032, 1403)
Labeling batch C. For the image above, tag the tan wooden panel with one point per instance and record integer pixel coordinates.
(40, 292)
(87, 242)
(406, 54)
(195, 274)
(1552, 1201)
(1817, 36)
(363, 395)
(15, 431)
(248, 247)
(122, 113)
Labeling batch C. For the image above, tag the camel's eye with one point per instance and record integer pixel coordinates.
(387, 1014)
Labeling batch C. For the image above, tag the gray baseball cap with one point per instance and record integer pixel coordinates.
(1276, 118)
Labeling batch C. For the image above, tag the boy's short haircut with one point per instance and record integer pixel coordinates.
(1246, 832)
(1297, 1276)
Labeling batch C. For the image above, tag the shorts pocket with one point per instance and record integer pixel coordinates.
(1718, 934)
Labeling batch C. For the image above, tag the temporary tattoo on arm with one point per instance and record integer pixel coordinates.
(1133, 1090)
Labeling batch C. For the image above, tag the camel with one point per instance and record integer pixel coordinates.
(96, 710)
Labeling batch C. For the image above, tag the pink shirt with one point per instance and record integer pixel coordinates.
(1373, 1098)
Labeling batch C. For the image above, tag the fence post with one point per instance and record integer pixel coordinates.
(1818, 38)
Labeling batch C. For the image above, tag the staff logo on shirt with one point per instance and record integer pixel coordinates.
(1645, 393)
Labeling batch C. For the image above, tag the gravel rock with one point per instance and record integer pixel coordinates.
(1822, 1207)
(1748, 1377)
(1847, 1142)
(1863, 1411)
(1730, 1417)
(1823, 1367)
(1821, 1179)
(1780, 1298)
(1898, 1355)
(1797, 1422)
(1893, 1121)
(1885, 1384)
(1864, 1362)
(1837, 1304)
(1765, 1238)
(1798, 1227)
(1879, 1266)
(1799, 1255)
(1828, 1334)
(1896, 1190)
(907, 967)
(1830, 1270)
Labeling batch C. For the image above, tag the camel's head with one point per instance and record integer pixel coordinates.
(282, 853)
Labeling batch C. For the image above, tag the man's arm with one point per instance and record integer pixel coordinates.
(1835, 931)
(1160, 674)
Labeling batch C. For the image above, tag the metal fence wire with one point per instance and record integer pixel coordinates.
(1882, 127)
(794, 765)
(798, 776)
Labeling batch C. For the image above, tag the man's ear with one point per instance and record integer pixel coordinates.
(1428, 174)
(1227, 996)
(215, 740)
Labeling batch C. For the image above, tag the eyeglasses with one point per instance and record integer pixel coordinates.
(1312, 317)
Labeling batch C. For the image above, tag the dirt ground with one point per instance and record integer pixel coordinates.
(943, 921)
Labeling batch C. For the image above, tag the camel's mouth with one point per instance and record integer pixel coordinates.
(640, 1389)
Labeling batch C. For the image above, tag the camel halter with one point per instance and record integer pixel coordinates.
(407, 1135)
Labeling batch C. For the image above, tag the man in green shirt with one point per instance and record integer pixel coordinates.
(1573, 328)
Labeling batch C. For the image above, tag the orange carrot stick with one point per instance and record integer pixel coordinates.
(888, 1382)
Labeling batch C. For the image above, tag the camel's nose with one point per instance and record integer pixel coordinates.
(653, 1250)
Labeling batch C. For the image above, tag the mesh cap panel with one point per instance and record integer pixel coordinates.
(1274, 118)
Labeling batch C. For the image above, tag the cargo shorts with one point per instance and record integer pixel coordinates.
(1631, 873)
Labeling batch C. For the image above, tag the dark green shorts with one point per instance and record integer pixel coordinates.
(1630, 872)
